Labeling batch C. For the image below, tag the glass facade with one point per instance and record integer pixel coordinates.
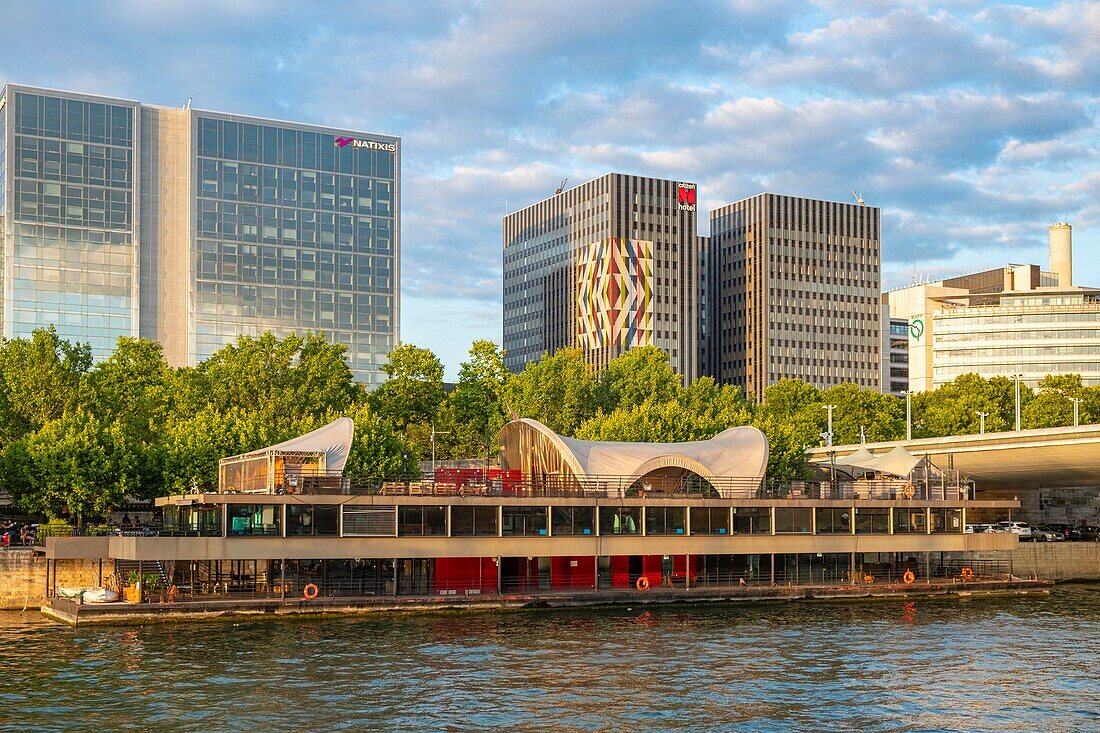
(71, 207)
(1032, 335)
(243, 226)
(295, 233)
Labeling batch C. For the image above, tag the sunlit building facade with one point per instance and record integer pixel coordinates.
(606, 266)
(1031, 334)
(68, 204)
(793, 290)
(1007, 321)
(193, 227)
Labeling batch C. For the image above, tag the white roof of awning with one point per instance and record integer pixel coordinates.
(898, 462)
(334, 440)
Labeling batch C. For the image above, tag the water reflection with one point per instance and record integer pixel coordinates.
(926, 664)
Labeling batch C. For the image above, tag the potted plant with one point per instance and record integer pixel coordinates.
(132, 590)
(151, 586)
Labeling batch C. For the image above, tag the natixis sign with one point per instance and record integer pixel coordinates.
(685, 196)
(355, 142)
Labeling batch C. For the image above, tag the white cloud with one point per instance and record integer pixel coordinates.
(972, 124)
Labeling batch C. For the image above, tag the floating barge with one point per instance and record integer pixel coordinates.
(76, 614)
(563, 522)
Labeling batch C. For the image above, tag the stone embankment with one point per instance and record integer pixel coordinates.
(1058, 561)
(23, 577)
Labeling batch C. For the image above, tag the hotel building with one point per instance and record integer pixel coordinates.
(793, 289)
(605, 266)
(193, 227)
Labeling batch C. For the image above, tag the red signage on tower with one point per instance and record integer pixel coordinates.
(685, 196)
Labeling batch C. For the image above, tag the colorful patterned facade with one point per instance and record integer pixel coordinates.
(615, 293)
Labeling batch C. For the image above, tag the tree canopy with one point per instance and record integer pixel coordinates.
(77, 438)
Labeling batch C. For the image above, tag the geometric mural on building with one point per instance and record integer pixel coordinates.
(615, 293)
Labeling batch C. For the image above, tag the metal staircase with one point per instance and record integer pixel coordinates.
(123, 568)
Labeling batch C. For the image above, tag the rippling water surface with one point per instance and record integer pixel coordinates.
(1028, 664)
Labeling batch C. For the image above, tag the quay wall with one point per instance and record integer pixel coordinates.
(1058, 561)
(23, 577)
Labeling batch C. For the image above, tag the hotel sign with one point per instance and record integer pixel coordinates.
(343, 142)
(685, 196)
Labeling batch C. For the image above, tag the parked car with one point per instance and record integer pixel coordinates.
(1041, 534)
(1059, 536)
(1064, 529)
(1023, 529)
(1087, 533)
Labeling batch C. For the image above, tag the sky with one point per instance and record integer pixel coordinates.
(973, 125)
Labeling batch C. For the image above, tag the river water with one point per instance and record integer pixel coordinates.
(1004, 664)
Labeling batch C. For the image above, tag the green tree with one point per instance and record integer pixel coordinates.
(699, 412)
(294, 376)
(478, 397)
(40, 378)
(880, 416)
(410, 397)
(797, 405)
(134, 388)
(377, 449)
(78, 464)
(640, 375)
(953, 408)
(1052, 404)
(558, 391)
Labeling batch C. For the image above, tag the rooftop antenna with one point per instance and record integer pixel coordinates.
(561, 186)
(188, 105)
(859, 198)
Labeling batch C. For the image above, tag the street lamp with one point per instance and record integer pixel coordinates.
(981, 422)
(829, 430)
(1076, 410)
(909, 414)
(435, 433)
(1018, 377)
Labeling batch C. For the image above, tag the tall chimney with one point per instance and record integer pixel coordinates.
(1061, 253)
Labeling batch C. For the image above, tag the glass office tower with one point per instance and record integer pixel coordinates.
(193, 227)
(67, 200)
(294, 232)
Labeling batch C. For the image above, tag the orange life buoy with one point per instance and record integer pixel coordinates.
(967, 574)
(909, 491)
(908, 578)
(643, 583)
(310, 591)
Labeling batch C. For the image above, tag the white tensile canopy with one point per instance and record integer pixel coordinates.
(738, 454)
(334, 440)
(320, 452)
(898, 462)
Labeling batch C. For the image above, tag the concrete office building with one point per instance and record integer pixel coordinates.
(1016, 319)
(606, 266)
(192, 227)
(793, 290)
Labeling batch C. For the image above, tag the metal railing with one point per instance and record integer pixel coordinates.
(474, 483)
(294, 588)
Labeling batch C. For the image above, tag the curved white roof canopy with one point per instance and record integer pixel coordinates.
(334, 440)
(898, 462)
(739, 453)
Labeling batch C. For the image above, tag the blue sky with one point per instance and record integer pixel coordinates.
(972, 124)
